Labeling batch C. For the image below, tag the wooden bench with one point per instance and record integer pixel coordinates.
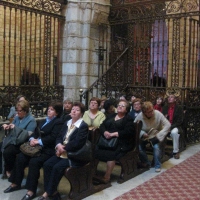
(81, 178)
(129, 162)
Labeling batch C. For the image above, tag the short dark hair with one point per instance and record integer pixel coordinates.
(57, 106)
(80, 105)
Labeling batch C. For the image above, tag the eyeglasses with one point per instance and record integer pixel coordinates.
(119, 105)
(19, 110)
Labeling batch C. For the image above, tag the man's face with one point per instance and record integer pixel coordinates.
(137, 106)
(171, 99)
(149, 113)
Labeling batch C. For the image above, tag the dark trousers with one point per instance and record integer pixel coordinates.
(34, 165)
(54, 169)
(9, 155)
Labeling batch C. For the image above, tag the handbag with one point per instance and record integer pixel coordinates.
(108, 144)
(84, 154)
(32, 151)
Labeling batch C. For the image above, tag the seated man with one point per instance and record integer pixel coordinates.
(136, 105)
(152, 119)
(174, 114)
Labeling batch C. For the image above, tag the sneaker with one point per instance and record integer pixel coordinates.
(176, 155)
(158, 170)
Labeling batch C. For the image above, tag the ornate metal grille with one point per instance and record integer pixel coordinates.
(29, 42)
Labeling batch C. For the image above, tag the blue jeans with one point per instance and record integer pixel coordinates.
(156, 154)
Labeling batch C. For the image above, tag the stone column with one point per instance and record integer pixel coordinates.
(80, 39)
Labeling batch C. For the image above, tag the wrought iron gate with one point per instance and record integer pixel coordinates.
(155, 51)
(29, 45)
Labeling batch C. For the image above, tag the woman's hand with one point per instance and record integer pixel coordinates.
(34, 142)
(8, 126)
(109, 135)
(5, 126)
(60, 149)
(12, 126)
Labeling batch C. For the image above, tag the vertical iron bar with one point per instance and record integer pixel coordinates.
(4, 48)
(184, 52)
(189, 52)
(20, 44)
(9, 47)
(35, 40)
(53, 51)
(15, 45)
(58, 48)
(25, 53)
(153, 54)
(30, 81)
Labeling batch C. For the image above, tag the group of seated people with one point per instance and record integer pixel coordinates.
(66, 129)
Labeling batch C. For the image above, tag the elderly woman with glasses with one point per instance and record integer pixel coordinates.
(93, 117)
(23, 120)
(118, 125)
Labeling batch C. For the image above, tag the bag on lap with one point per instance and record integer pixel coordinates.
(84, 154)
(32, 151)
(109, 144)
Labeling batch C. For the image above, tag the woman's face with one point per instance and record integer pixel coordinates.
(93, 105)
(76, 113)
(21, 113)
(51, 112)
(159, 101)
(121, 107)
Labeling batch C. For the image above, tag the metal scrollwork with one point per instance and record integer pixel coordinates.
(44, 5)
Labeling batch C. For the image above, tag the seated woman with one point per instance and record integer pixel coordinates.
(71, 138)
(93, 117)
(23, 120)
(118, 125)
(159, 103)
(49, 129)
(13, 112)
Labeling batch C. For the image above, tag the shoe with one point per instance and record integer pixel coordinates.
(11, 189)
(56, 196)
(158, 170)
(41, 198)
(176, 155)
(28, 197)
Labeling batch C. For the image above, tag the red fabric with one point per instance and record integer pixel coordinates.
(171, 113)
(158, 107)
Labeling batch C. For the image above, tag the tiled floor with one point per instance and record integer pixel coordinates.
(109, 193)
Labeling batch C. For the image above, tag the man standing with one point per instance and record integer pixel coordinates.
(174, 113)
(152, 119)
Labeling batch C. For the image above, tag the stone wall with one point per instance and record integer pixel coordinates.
(81, 36)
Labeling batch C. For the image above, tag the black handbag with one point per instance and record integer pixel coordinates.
(84, 154)
(108, 144)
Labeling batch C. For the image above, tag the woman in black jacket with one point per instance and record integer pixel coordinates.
(71, 138)
(49, 129)
(118, 125)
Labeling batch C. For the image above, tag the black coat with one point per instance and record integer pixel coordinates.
(125, 130)
(177, 118)
(49, 134)
(76, 140)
